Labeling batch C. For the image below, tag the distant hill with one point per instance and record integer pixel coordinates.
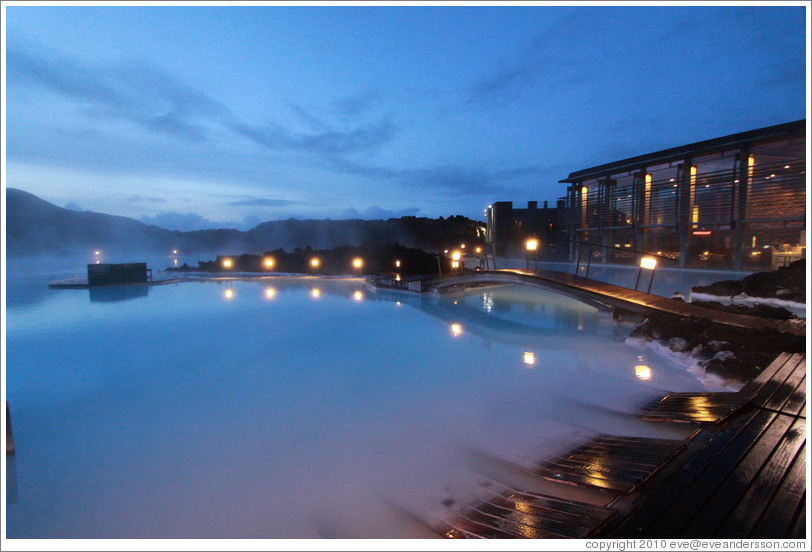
(36, 227)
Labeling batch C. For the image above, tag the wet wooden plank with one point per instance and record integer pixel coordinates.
(657, 496)
(714, 489)
(610, 463)
(797, 401)
(544, 502)
(785, 391)
(777, 518)
(694, 407)
(463, 528)
(772, 468)
(707, 469)
(769, 388)
(799, 529)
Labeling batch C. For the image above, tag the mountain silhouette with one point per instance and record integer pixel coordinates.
(37, 227)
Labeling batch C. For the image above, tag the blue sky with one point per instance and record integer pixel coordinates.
(210, 116)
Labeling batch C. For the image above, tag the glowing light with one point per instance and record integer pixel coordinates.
(397, 264)
(462, 246)
(229, 294)
(97, 252)
(642, 372)
(314, 262)
(532, 244)
(786, 166)
(648, 262)
(478, 250)
(270, 293)
(174, 251)
(702, 232)
(456, 255)
(358, 296)
(456, 329)
(455, 264)
(529, 358)
(397, 303)
(269, 262)
(445, 251)
(397, 277)
(315, 293)
(357, 262)
(227, 263)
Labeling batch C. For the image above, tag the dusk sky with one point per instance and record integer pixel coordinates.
(209, 116)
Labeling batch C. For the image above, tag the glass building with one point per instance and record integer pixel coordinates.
(738, 201)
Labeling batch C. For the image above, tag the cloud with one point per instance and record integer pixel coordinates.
(376, 213)
(263, 202)
(132, 91)
(144, 199)
(329, 142)
(184, 222)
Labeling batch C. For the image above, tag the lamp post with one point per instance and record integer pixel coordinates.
(532, 245)
(314, 262)
(649, 263)
(357, 263)
(455, 260)
(268, 263)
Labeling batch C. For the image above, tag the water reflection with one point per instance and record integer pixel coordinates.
(113, 294)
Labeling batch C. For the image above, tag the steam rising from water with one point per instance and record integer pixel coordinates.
(181, 413)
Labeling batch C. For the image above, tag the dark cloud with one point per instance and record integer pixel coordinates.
(355, 106)
(136, 92)
(323, 143)
(142, 199)
(184, 222)
(377, 213)
(263, 202)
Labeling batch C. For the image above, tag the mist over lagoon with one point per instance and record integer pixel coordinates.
(301, 413)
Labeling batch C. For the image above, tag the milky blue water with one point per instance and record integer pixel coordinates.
(297, 408)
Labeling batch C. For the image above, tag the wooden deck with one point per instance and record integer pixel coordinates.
(741, 474)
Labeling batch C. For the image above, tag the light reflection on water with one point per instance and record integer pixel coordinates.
(191, 412)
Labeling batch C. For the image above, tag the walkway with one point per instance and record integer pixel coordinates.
(612, 296)
(743, 475)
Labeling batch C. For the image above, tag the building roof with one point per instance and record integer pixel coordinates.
(697, 148)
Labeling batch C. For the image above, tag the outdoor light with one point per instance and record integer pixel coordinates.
(315, 293)
(227, 263)
(97, 252)
(529, 358)
(358, 296)
(462, 246)
(397, 264)
(455, 256)
(229, 294)
(532, 244)
(268, 262)
(642, 372)
(270, 293)
(174, 251)
(478, 250)
(456, 330)
(649, 263)
(455, 264)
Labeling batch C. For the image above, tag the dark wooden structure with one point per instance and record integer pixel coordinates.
(123, 273)
(741, 473)
(9, 435)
